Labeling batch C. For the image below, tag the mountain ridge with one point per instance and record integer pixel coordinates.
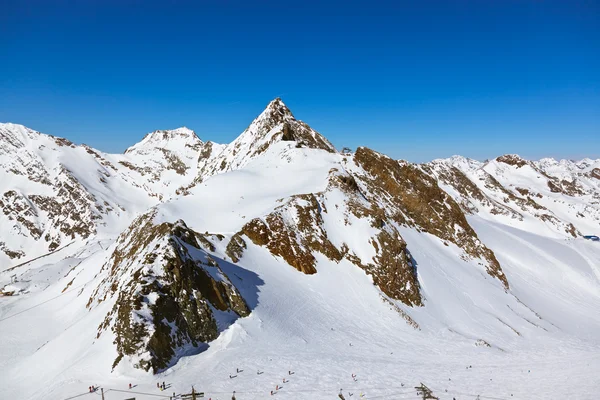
(179, 249)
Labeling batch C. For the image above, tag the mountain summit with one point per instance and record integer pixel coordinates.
(174, 140)
(278, 122)
(274, 125)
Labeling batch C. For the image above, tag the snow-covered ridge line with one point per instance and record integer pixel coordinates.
(197, 261)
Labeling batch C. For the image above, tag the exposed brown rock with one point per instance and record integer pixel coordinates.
(512, 159)
(11, 253)
(295, 231)
(294, 241)
(62, 141)
(419, 202)
(570, 188)
(235, 247)
(152, 268)
(174, 162)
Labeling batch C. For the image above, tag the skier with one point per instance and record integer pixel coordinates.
(157, 385)
(130, 386)
(233, 397)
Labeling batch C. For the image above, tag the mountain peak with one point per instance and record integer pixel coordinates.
(275, 113)
(274, 126)
(277, 123)
(278, 104)
(171, 139)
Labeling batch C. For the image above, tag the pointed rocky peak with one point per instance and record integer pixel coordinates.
(174, 139)
(277, 123)
(276, 111)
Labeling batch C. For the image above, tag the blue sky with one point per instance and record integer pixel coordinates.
(416, 80)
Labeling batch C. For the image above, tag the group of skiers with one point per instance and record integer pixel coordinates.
(277, 387)
(163, 386)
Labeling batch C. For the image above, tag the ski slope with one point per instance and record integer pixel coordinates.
(325, 327)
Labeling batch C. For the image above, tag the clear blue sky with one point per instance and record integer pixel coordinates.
(414, 79)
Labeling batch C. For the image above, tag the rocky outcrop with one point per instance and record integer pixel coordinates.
(470, 197)
(168, 293)
(512, 159)
(392, 267)
(296, 231)
(413, 198)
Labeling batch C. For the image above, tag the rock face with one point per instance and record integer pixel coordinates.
(294, 231)
(413, 198)
(297, 230)
(392, 267)
(169, 293)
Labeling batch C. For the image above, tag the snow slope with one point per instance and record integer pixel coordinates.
(456, 327)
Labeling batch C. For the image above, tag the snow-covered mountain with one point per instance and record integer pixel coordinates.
(276, 259)
(549, 196)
